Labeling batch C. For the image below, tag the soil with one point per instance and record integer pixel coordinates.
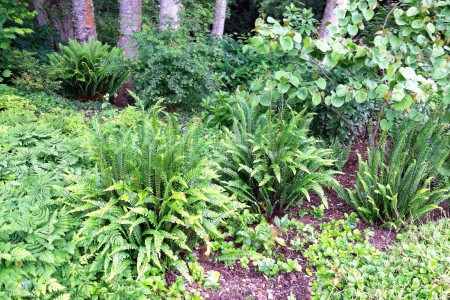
(238, 283)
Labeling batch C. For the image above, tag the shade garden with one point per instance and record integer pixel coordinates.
(279, 165)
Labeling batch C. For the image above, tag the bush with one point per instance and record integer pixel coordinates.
(153, 198)
(90, 71)
(398, 182)
(271, 163)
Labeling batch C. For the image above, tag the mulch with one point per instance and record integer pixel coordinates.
(238, 283)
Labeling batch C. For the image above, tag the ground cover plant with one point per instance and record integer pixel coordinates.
(296, 160)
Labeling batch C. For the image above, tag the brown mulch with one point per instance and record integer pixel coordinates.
(238, 283)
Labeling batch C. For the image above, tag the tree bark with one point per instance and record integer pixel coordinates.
(219, 18)
(83, 19)
(330, 17)
(42, 16)
(130, 12)
(169, 14)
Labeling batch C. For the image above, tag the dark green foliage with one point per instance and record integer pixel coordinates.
(153, 199)
(90, 72)
(271, 163)
(13, 14)
(398, 182)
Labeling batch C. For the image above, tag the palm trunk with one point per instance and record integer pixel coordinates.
(219, 18)
(83, 19)
(130, 12)
(330, 17)
(169, 14)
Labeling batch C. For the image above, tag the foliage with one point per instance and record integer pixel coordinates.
(398, 182)
(153, 199)
(90, 71)
(12, 16)
(35, 229)
(270, 163)
(340, 72)
(32, 74)
(348, 267)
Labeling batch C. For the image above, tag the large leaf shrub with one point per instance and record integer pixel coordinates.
(153, 198)
(399, 182)
(400, 71)
(91, 71)
(271, 163)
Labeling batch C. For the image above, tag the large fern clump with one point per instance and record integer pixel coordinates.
(153, 199)
(91, 71)
(35, 228)
(270, 162)
(399, 182)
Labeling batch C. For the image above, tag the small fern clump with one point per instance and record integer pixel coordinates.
(270, 163)
(153, 198)
(399, 181)
(91, 71)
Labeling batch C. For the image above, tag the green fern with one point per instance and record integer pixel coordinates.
(271, 163)
(399, 181)
(153, 199)
(90, 71)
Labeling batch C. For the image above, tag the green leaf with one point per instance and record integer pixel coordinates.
(360, 96)
(6, 73)
(265, 99)
(352, 29)
(321, 83)
(395, 41)
(440, 73)
(405, 103)
(316, 99)
(337, 101)
(341, 90)
(412, 11)
(322, 46)
(286, 43)
(407, 72)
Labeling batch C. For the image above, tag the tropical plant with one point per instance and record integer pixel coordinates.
(270, 163)
(153, 198)
(91, 71)
(398, 182)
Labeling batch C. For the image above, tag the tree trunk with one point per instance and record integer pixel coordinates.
(219, 18)
(130, 22)
(330, 17)
(169, 14)
(83, 19)
(42, 16)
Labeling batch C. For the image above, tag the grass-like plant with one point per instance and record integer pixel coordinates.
(270, 162)
(91, 71)
(154, 197)
(398, 181)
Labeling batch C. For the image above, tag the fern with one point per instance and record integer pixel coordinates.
(399, 182)
(270, 163)
(90, 71)
(153, 198)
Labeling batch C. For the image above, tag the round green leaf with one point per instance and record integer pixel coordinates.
(316, 99)
(286, 43)
(321, 83)
(337, 101)
(265, 99)
(360, 96)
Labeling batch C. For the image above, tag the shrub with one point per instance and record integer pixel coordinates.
(397, 183)
(175, 68)
(271, 163)
(90, 71)
(153, 198)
